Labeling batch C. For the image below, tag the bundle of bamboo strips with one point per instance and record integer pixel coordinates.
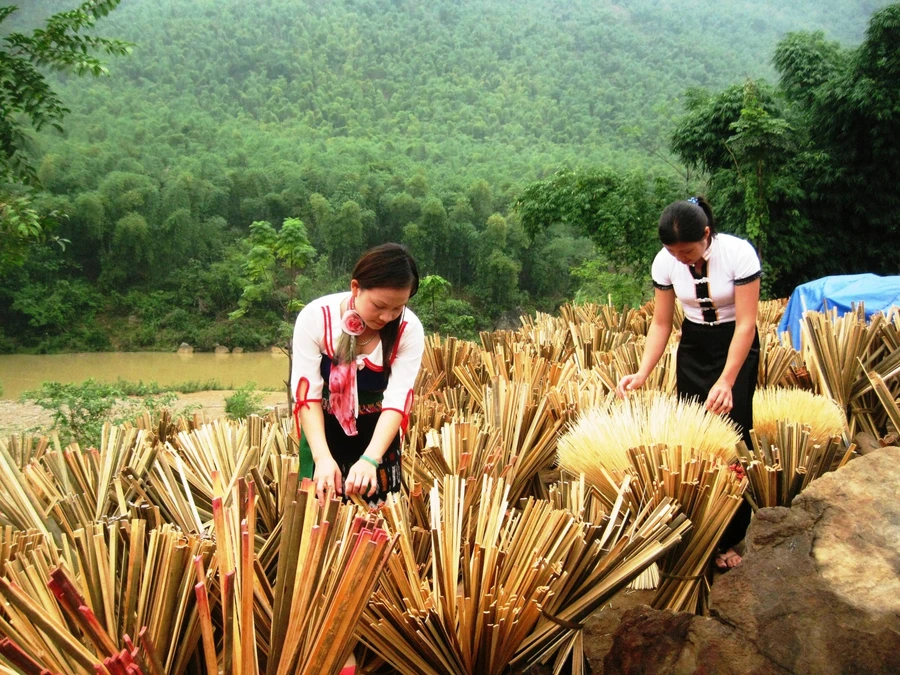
(600, 439)
(710, 493)
(784, 460)
(778, 362)
(625, 360)
(840, 350)
(481, 597)
(820, 414)
(440, 359)
(833, 346)
(769, 313)
(663, 449)
(67, 607)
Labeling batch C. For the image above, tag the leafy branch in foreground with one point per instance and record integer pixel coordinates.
(27, 100)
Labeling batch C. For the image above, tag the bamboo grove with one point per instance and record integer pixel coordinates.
(531, 497)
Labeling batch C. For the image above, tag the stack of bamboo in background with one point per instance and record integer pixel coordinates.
(845, 355)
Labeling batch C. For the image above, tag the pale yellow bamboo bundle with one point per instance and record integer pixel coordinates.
(664, 449)
(80, 607)
(777, 361)
(822, 415)
(599, 440)
(785, 458)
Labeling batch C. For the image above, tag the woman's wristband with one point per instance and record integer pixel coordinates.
(371, 461)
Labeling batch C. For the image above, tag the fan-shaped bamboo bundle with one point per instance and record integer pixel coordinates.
(608, 316)
(833, 347)
(515, 433)
(25, 448)
(528, 423)
(625, 360)
(600, 439)
(823, 416)
(710, 493)
(71, 610)
(548, 335)
(481, 598)
(439, 360)
(785, 460)
(769, 313)
(669, 449)
(777, 362)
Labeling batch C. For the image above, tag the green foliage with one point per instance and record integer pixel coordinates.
(808, 171)
(315, 112)
(80, 410)
(618, 211)
(274, 263)
(140, 388)
(27, 100)
(600, 283)
(245, 401)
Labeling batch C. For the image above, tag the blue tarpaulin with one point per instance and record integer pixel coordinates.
(878, 293)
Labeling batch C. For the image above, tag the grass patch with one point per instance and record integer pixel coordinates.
(140, 388)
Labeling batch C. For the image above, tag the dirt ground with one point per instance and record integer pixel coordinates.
(17, 417)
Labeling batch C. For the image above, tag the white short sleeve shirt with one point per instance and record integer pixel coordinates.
(707, 291)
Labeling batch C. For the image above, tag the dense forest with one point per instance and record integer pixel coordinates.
(239, 157)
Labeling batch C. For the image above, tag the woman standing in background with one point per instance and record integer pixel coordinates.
(716, 278)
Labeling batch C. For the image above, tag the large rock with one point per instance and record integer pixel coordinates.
(818, 591)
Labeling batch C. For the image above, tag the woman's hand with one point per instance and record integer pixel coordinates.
(630, 383)
(720, 400)
(362, 479)
(328, 477)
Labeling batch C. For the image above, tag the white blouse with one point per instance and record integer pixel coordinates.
(708, 294)
(316, 333)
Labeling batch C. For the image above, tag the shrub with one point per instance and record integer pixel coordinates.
(80, 410)
(245, 401)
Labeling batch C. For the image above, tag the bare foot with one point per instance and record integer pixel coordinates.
(727, 560)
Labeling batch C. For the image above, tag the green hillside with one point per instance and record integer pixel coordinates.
(368, 120)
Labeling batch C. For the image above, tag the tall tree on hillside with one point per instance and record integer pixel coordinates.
(27, 101)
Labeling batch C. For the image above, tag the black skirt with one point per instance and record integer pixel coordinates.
(702, 354)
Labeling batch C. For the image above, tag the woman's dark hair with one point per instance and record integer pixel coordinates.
(685, 221)
(387, 266)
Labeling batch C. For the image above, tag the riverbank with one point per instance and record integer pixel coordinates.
(17, 417)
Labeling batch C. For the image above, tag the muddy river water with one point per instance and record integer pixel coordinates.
(20, 372)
